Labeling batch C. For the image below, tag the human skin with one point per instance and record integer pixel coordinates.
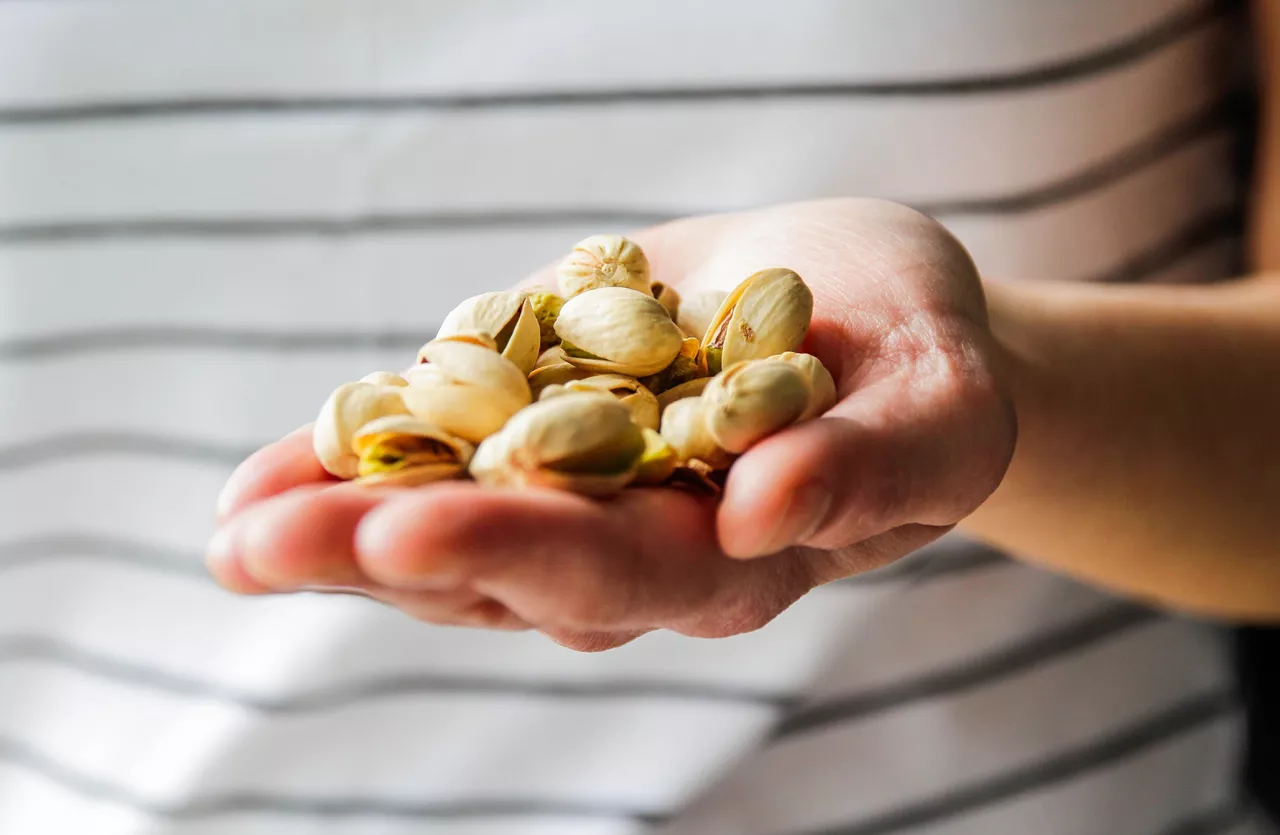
(1133, 435)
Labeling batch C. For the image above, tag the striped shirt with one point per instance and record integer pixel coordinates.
(213, 213)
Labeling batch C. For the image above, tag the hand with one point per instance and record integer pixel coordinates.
(922, 435)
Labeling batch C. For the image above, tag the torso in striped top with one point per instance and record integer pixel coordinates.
(203, 210)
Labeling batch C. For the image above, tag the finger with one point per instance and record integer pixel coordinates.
(300, 538)
(567, 563)
(281, 466)
(460, 607)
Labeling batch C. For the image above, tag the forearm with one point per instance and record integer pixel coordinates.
(1148, 458)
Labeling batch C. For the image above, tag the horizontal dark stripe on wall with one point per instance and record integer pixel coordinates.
(1155, 730)
(46, 550)
(1194, 18)
(75, 445)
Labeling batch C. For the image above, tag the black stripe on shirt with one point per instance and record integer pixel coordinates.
(1218, 118)
(329, 806)
(18, 649)
(1185, 717)
(1186, 22)
(42, 550)
(1040, 649)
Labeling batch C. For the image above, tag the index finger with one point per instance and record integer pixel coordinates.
(289, 462)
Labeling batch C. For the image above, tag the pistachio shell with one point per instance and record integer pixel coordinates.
(556, 375)
(546, 307)
(384, 378)
(347, 409)
(506, 316)
(658, 461)
(618, 330)
(403, 450)
(478, 338)
(667, 297)
(822, 389)
(465, 390)
(752, 400)
(630, 393)
(766, 314)
(693, 388)
(684, 428)
(603, 261)
(581, 442)
(552, 356)
(697, 311)
(685, 367)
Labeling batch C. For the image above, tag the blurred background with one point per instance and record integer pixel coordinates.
(211, 214)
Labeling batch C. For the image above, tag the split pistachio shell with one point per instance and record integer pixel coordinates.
(658, 461)
(465, 390)
(552, 356)
(619, 331)
(822, 389)
(630, 393)
(685, 367)
(348, 408)
(556, 375)
(582, 442)
(508, 317)
(693, 388)
(405, 451)
(765, 315)
(697, 311)
(384, 378)
(684, 427)
(546, 307)
(604, 261)
(668, 298)
(752, 400)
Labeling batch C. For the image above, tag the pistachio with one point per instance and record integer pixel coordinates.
(464, 389)
(347, 409)
(766, 314)
(546, 307)
(822, 389)
(406, 451)
(582, 442)
(384, 378)
(507, 317)
(603, 261)
(618, 330)
(552, 356)
(752, 400)
(556, 375)
(658, 461)
(685, 367)
(697, 311)
(630, 393)
(693, 388)
(667, 297)
(684, 427)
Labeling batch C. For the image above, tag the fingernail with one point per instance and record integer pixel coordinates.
(804, 514)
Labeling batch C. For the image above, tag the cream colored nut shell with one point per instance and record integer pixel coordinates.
(629, 391)
(592, 430)
(684, 428)
(603, 261)
(668, 298)
(465, 390)
(630, 332)
(348, 408)
(765, 315)
(393, 425)
(491, 313)
(822, 388)
(693, 388)
(552, 356)
(752, 400)
(697, 311)
(555, 375)
(384, 378)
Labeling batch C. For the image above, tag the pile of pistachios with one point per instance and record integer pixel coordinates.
(614, 382)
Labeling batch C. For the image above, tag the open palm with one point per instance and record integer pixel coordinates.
(921, 435)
